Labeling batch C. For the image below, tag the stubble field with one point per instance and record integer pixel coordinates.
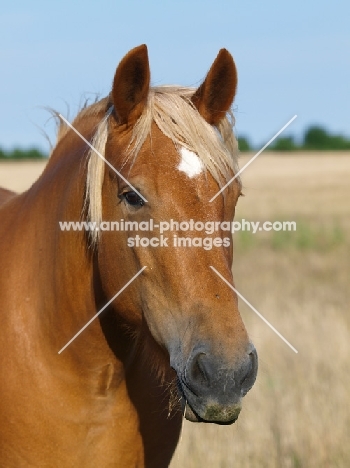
(298, 412)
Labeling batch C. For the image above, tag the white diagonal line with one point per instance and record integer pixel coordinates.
(103, 308)
(100, 155)
(254, 309)
(253, 158)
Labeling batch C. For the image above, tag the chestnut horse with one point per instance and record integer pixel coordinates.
(172, 344)
(5, 195)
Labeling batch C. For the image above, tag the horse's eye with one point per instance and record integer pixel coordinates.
(133, 199)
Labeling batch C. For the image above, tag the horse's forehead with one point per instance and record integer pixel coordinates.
(190, 163)
(173, 155)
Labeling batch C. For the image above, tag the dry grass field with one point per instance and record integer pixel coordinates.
(298, 413)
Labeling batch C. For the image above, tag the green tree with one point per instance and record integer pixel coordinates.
(243, 144)
(284, 144)
(317, 138)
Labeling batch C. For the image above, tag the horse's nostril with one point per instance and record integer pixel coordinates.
(254, 359)
(207, 376)
(251, 371)
(198, 370)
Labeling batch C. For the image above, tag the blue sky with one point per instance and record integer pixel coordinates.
(292, 58)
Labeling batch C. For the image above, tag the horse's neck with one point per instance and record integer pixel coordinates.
(51, 270)
(5, 195)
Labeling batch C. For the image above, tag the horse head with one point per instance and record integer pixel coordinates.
(172, 151)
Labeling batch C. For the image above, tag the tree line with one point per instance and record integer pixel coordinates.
(20, 154)
(314, 138)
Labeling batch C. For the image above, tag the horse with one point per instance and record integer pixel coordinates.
(168, 345)
(5, 195)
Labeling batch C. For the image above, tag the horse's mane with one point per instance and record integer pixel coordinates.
(173, 112)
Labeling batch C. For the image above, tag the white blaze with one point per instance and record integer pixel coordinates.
(190, 163)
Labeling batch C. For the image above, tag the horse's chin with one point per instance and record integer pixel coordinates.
(191, 415)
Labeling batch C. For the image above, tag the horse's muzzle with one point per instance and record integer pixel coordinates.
(211, 391)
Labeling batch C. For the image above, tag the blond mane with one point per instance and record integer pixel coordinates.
(175, 115)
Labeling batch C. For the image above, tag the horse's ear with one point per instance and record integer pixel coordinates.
(131, 84)
(215, 95)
